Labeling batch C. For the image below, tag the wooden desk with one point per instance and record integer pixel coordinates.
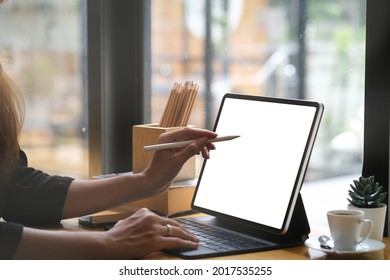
(295, 253)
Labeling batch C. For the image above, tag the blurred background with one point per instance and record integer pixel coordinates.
(296, 49)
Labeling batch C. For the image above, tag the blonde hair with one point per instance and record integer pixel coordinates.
(11, 122)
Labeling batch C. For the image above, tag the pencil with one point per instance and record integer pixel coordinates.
(182, 144)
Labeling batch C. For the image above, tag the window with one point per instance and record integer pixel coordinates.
(295, 49)
(276, 48)
(41, 45)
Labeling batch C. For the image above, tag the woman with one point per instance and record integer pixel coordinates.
(31, 197)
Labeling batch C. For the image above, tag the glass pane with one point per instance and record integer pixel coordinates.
(42, 51)
(296, 49)
(268, 47)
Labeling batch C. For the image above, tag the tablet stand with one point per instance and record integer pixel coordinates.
(296, 235)
(298, 230)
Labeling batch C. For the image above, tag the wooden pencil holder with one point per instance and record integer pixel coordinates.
(176, 199)
(147, 134)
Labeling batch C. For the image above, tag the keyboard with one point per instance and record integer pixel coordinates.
(220, 240)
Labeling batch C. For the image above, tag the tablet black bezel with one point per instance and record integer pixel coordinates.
(302, 168)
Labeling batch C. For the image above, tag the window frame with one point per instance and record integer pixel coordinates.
(119, 80)
(112, 55)
(377, 96)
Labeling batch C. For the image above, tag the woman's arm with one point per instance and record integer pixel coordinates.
(132, 238)
(89, 196)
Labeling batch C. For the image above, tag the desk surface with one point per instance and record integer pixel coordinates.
(295, 253)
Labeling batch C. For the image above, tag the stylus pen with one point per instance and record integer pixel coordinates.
(182, 144)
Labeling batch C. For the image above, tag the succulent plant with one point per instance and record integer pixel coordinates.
(366, 193)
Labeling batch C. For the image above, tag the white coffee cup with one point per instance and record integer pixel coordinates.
(346, 228)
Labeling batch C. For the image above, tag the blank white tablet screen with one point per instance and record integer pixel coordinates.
(252, 177)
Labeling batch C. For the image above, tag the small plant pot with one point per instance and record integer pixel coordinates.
(377, 216)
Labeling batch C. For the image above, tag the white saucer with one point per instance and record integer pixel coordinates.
(366, 246)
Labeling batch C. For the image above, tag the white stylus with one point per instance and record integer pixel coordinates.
(182, 144)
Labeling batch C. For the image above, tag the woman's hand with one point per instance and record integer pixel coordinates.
(132, 238)
(143, 233)
(166, 164)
